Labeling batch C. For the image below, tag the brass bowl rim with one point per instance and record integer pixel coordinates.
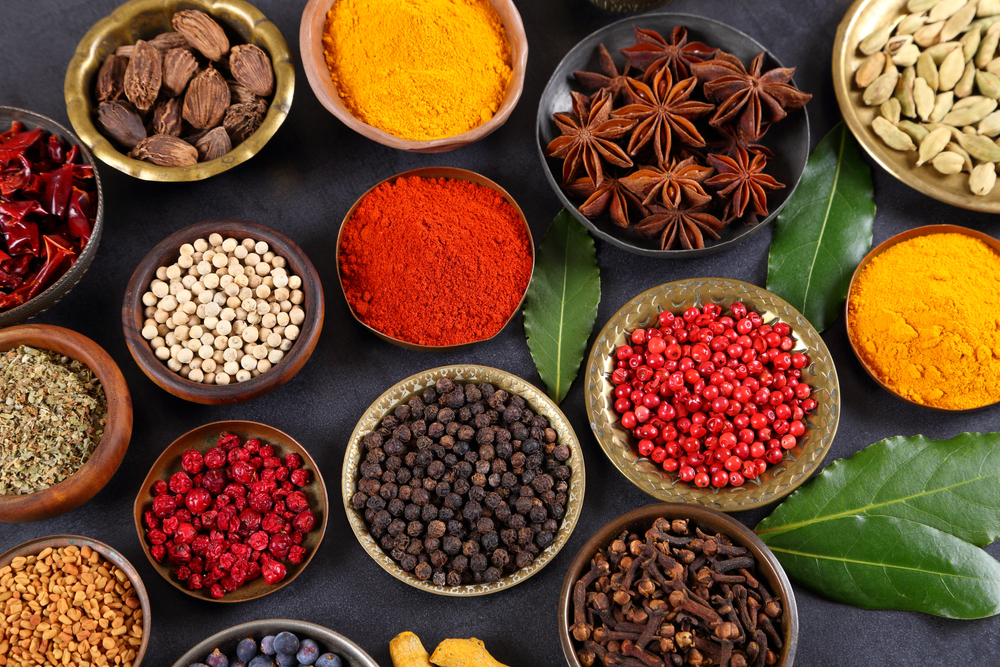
(451, 173)
(926, 230)
(79, 100)
(567, 524)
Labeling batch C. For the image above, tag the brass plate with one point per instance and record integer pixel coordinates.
(862, 18)
(779, 480)
(410, 387)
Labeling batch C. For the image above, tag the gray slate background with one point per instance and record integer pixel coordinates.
(302, 183)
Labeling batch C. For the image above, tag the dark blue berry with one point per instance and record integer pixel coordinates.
(267, 645)
(237, 663)
(246, 649)
(261, 661)
(285, 660)
(328, 660)
(286, 642)
(308, 652)
(217, 659)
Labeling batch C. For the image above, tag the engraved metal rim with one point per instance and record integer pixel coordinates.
(952, 189)
(501, 379)
(780, 480)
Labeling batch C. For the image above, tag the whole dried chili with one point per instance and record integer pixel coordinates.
(434, 261)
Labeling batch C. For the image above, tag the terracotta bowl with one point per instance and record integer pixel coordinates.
(436, 172)
(350, 653)
(769, 570)
(37, 545)
(144, 19)
(60, 288)
(166, 252)
(204, 438)
(412, 386)
(318, 73)
(101, 466)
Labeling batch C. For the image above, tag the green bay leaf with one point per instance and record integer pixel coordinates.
(824, 231)
(561, 303)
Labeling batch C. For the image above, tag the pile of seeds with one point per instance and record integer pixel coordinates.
(68, 606)
(463, 484)
(52, 416)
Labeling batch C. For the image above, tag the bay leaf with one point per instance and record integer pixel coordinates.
(824, 231)
(561, 303)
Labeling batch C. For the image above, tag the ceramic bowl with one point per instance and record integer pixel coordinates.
(779, 480)
(412, 386)
(60, 288)
(165, 253)
(769, 570)
(350, 653)
(93, 475)
(926, 230)
(437, 172)
(204, 438)
(144, 19)
(788, 140)
(318, 73)
(37, 545)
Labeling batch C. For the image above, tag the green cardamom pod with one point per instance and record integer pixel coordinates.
(964, 86)
(893, 137)
(980, 147)
(951, 70)
(942, 105)
(958, 150)
(923, 98)
(982, 179)
(987, 49)
(869, 69)
(959, 21)
(880, 89)
(928, 35)
(890, 110)
(948, 162)
(933, 144)
(945, 9)
(988, 8)
(917, 132)
(920, 5)
(927, 68)
(990, 126)
(911, 23)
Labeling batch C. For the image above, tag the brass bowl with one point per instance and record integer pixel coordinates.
(926, 230)
(453, 173)
(778, 480)
(412, 386)
(862, 18)
(629, 5)
(144, 19)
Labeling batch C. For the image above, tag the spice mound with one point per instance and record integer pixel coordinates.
(52, 416)
(86, 610)
(923, 318)
(435, 262)
(463, 484)
(675, 596)
(423, 69)
(225, 311)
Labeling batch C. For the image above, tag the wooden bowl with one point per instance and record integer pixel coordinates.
(167, 252)
(144, 19)
(318, 73)
(37, 545)
(204, 438)
(437, 172)
(84, 484)
(641, 520)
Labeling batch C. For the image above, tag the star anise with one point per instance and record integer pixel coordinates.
(611, 195)
(744, 181)
(684, 226)
(652, 53)
(663, 109)
(731, 140)
(612, 80)
(587, 138)
(671, 184)
(758, 99)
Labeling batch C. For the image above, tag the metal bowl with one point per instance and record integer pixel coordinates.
(788, 140)
(61, 287)
(779, 480)
(144, 19)
(412, 386)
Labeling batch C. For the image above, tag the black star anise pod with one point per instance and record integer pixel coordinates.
(652, 53)
(588, 137)
(611, 80)
(758, 99)
(744, 181)
(669, 185)
(685, 226)
(611, 195)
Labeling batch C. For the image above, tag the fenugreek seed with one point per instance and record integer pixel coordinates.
(951, 70)
(990, 126)
(940, 51)
(982, 179)
(948, 162)
(927, 68)
(880, 89)
(933, 144)
(911, 23)
(923, 98)
(980, 147)
(964, 86)
(928, 35)
(893, 137)
(870, 68)
(878, 38)
(959, 21)
(945, 9)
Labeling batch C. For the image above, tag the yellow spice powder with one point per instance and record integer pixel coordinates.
(418, 69)
(925, 316)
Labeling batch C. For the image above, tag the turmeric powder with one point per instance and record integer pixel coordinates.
(418, 69)
(925, 317)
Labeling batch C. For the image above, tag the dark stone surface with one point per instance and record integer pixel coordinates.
(302, 183)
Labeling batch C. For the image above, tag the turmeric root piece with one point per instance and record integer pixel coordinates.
(463, 653)
(406, 650)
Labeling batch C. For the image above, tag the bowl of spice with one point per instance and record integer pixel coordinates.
(463, 480)
(920, 317)
(179, 90)
(697, 588)
(235, 478)
(48, 467)
(89, 575)
(435, 259)
(714, 392)
(52, 206)
(427, 76)
(223, 311)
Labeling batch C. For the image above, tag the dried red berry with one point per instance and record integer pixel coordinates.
(178, 553)
(156, 536)
(261, 502)
(160, 487)
(259, 540)
(158, 551)
(250, 520)
(304, 521)
(265, 451)
(279, 545)
(198, 501)
(296, 554)
(293, 461)
(208, 519)
(271, 522)
(164, 506)
(228, 441)
(252, 445)
(194, 582)
(281, 474)
(185, 533)
(199, 545)
(233, 489)
(253, 571)
(149, 518)
(273, 572)
(299, 477)
(182, 573)
(213, 481)
(192, 462)
(297, 501)
(215, 458)
(217, 591)
(237, 455)
(272, 462)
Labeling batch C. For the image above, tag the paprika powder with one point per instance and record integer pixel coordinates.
(434, 261)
